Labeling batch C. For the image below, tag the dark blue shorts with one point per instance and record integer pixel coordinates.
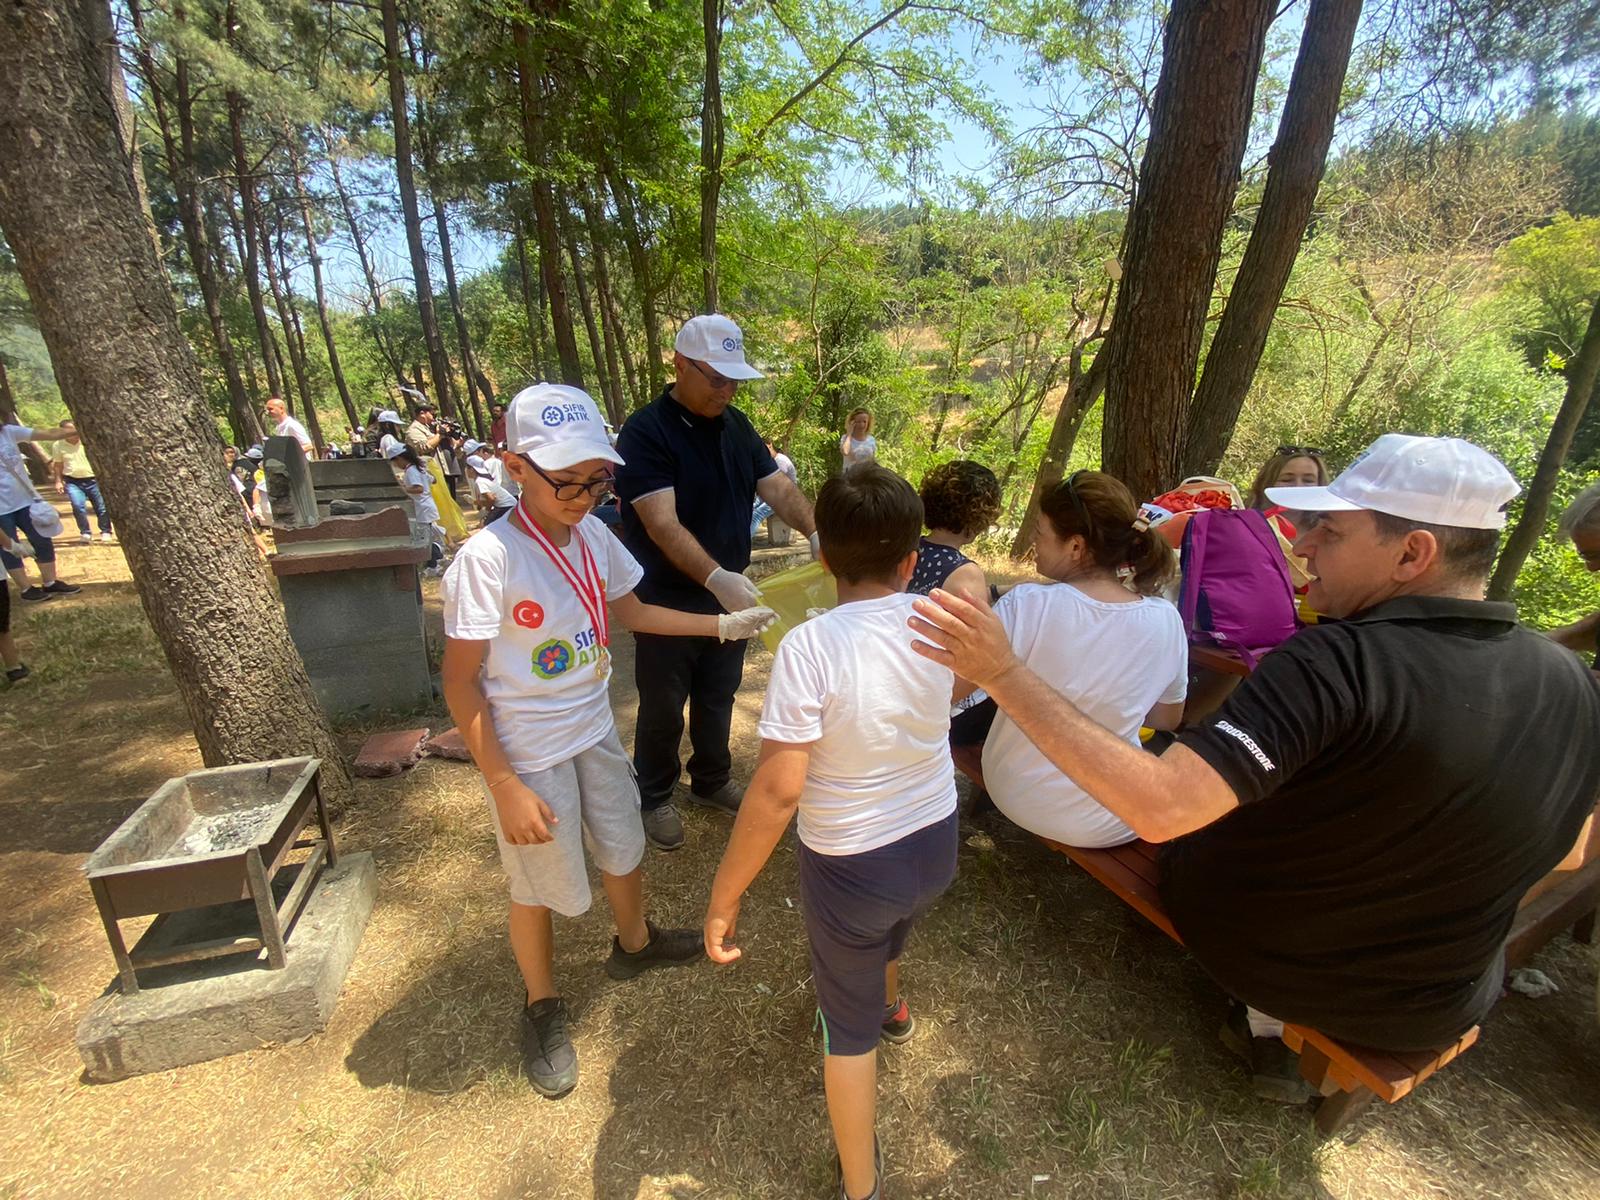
(858, 910)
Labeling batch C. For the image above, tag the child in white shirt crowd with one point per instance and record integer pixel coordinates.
(527, 607)
(415, 481)
(854, 736)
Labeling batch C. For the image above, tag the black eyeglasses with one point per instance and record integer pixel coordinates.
(715, 380)
(571, 491)
(1298, 451)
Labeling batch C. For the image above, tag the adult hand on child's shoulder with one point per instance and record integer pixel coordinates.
(968, 638)
(525, 819)
(719, 929)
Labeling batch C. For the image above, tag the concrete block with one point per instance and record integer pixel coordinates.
(197, 1011)
(385, 754)
(449, 744)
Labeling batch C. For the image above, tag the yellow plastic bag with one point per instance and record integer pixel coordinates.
(790, 593)
(450, 518)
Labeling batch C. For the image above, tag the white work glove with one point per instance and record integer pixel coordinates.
(747, 622)
(21, 548)
(816, 547)
(734, 592)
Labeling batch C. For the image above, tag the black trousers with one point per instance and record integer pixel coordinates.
(668, 671)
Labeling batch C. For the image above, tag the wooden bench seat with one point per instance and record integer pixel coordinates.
(1346, 1076)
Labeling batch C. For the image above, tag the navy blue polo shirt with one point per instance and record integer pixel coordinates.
(711, 464)
(1403, 777)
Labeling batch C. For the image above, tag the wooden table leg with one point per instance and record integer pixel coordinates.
(1336, 1111)
(119, 949)
(1316, 1068)
(266, 911)
(322, 820)
(1583, 931)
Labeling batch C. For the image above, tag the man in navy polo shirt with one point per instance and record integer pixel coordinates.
(693, 465)
(1350, 834)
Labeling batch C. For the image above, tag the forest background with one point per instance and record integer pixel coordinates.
(918, 208)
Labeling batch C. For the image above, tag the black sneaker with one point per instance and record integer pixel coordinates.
(58, 588)
(666, 948)
(18, 673)
(548, 1059)
(724, 799)
(1274, 1068)
(35, 594)
(898, 1023)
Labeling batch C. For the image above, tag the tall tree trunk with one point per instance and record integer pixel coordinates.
(711, 148)
(246, 181)
(293, 334)
(1297, 160)
(1083, 389)
(616, 337)
(1582, 373)
(438, 361)
(531, 310)
(1211, 55)
(374, 292)
(530, 94)
(180, 168)
(469, 360)
(643, 279)
(303, 202)
(8, 398)
(70, 213)
(609, 391)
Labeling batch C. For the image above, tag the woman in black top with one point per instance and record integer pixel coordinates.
(960, 500)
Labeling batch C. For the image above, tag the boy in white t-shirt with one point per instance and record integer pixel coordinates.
(855, 736)
(526, 663)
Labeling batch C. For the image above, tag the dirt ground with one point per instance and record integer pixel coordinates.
(1064, 1048)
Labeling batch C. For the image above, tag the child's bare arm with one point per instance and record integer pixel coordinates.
(525, 819)
(769, 803)
(638, 617)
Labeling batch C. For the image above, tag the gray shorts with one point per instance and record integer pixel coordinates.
(596, 800)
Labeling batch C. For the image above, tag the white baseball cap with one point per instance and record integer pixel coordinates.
(717, 342)
(471, 446)
(390, 416)
(395, 450)
(557, 426)
(1438, 481)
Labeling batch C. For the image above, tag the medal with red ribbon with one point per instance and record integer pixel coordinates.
(589, 586)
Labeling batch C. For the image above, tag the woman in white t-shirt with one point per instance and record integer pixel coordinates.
(1102, 637)
(858, 445)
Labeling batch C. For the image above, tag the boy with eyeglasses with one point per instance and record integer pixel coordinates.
(527, 607)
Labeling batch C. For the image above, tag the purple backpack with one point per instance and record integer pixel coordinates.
(1236, 590)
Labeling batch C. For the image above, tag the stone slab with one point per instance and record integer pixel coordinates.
(195, 1012)
(361, 636)
(449, 744)
(385, 754)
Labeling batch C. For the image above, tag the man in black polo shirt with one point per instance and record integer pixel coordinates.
(1351, 832)
(694, 465)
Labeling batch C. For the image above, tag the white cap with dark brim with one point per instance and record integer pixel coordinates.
(557, 427)
(1434, 480)
(716, 341)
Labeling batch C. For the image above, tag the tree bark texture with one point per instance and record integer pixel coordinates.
(530, 93)
(1582, 373)
(438, 361)
(70, 213)
(1199, 121)
(1296, 162)
(711, 150)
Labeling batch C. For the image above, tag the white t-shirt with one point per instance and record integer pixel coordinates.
(856, 452)
(786, 465)
(385, 442)
(427, 511)
(484, 483)
(15, 492)
(1115, 662)
(289, 427)
(546, 698)
(878, 715)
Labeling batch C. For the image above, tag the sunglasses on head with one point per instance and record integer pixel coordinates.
(1298, 451)
(566, 490)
